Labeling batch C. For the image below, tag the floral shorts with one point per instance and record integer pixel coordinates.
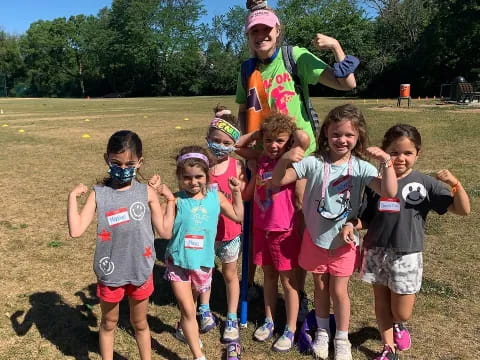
(400, 272)
(228, 251)
(200, 279)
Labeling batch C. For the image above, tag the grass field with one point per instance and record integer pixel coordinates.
(48, 307)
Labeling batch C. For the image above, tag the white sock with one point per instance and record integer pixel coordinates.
(339, 334)
(323, 323)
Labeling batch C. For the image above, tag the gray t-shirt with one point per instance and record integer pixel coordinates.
(399, 223)
(124, 253)
(324, 231)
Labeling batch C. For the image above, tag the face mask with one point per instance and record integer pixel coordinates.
(122, 175)
(219, 150)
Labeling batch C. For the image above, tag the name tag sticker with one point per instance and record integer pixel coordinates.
(389, 205)
(342, 184)
(267, 175)
(117, 217)
(194, 241)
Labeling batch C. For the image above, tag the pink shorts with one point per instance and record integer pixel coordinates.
(341, 261)
(200, 280)
(115, 294)
(277, 248)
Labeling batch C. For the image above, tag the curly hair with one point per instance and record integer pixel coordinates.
(344, 112)
(278, 123)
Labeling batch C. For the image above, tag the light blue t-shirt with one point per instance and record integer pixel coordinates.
(324, 231)
(192, 245)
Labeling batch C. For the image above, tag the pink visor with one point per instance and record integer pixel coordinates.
(263, 17)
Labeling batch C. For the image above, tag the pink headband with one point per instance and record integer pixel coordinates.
(192, 156)
(264, 17)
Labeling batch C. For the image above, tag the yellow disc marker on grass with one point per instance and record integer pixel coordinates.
(178, 127)
(186, 119)
(5, 125)
(85, 136)
(21, 131)
(87, 120)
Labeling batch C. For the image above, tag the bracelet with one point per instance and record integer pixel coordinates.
(455, 187)
(345, 67)
(386, 163)
(171, 199)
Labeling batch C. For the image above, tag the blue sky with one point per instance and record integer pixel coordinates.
(17, 15)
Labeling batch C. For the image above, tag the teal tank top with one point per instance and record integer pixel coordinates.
(192, 245)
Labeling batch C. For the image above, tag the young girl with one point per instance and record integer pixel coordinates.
(336, 177)
(124, 255)
(221, 137)
(275, 238)
(190, 253)
(393, 245)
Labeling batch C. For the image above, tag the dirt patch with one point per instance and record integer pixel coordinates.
(394, 108)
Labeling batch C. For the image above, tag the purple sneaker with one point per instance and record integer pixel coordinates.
(401, 336)
(285, 342)
(233, 351)
(387, 354)
(207, 321)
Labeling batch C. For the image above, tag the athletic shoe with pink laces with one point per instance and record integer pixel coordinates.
(387, 354)
(401, 336)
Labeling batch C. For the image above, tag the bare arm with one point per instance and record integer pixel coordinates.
(233, 211)
(283, 174)
(163, 216)
(327, 78)
(461, 202)
(78, 221)
(387, 185)
(241, 175)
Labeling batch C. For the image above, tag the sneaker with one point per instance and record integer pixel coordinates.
(401, 336)
(179, 335)
(320, 344)
(303, 307)
(207, 322)
(233, 351)
(264, 332)
(387, 354)
(285, 342)
(231, 332)
(343, 349)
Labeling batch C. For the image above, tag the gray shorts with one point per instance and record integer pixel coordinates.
(400, 272)
(228, 251)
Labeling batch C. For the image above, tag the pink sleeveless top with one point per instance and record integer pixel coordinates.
(227, 229)
(273, 206)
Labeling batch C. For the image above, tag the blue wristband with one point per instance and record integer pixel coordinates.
(345, 67)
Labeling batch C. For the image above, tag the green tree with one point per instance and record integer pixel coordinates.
(341, 19)
(11, 62)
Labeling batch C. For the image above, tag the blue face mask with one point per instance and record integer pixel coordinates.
(219, 150)
(122, 175)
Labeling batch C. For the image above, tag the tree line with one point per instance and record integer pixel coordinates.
(159, 47)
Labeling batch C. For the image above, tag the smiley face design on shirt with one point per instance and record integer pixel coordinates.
(137, 211)
(414, 193)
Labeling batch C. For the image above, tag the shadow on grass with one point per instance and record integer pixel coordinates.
(359, 337)
(66, 327)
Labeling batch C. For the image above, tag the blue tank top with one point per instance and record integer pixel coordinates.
(192, 245)
(124, 253)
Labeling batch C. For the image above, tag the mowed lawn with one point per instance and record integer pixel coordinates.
(48, 308)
